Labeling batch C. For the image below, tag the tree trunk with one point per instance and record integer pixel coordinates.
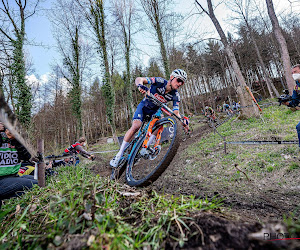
(282, 45)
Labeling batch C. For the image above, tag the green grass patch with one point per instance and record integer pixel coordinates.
(294, 166)
(77, 202)
(277, 122)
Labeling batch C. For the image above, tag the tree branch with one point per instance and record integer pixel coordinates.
(205, 11)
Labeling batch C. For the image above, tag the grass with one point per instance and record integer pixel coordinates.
(294, 166)
(276, 122)
(78, 202)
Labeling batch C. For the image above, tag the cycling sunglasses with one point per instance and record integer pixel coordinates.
(179, 80)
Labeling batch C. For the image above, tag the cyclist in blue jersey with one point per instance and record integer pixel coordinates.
(164, 91)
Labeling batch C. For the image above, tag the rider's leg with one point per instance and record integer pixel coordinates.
(136, 124)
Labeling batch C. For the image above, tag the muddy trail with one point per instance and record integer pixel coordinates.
(247, 207)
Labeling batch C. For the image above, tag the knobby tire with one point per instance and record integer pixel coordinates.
(163, 164)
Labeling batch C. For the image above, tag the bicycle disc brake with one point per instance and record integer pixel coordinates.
(153, 155)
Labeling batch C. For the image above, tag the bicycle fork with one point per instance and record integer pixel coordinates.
(148, 134)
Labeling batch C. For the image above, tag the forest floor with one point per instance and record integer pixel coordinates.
(258, 185)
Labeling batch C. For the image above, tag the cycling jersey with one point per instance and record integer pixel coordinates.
(76, 148)
(209, 110)
(158, 89)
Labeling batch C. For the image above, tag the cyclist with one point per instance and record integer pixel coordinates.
(209, 112)
(164, 91)
(227, 108)
(77, 148)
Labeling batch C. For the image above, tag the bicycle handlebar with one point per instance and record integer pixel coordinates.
(164, 106)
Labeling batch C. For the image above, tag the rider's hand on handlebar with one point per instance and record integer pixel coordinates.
(143, 89)
(92, 157)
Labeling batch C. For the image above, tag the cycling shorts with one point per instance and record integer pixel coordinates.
(142, 111)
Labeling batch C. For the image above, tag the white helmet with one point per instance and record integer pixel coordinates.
(179, 73)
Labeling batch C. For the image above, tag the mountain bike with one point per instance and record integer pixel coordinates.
(145, 163)
(212, 120)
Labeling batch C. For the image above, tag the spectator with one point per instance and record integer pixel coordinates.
(12, 154)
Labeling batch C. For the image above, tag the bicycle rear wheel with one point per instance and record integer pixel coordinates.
(144, 166)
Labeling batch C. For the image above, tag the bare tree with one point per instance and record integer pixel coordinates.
(124, 11)
(93, 10)
(75, 52)
(156, 12)
(12, 27)
(241, 7)
(243, 96)
(282, 45)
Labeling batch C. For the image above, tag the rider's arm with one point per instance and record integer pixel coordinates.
(176, 112)
(185, 119)
(82, 151)
(141, 80)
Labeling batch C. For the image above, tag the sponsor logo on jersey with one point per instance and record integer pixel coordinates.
(170, 97)
(161, 90)
(160, 98)
(159, 79)
(152, 79)
(297, 88)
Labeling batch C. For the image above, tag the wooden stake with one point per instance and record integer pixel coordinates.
(41, 165)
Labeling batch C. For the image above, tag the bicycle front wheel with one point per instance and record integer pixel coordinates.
(145, 166)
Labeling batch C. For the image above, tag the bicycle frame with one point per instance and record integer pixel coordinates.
(144, 128)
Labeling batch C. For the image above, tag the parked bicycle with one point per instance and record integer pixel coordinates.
(144, 164)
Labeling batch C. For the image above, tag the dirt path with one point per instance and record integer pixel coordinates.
(245, 203)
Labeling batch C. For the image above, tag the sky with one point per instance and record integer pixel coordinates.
(41, 48)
